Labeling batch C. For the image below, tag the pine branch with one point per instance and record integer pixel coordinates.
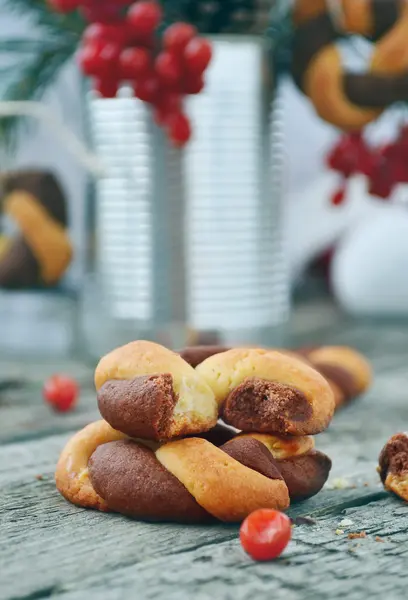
(41, 15)
(53, 41)
(34, 79)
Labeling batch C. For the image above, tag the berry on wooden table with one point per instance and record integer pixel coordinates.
(61, 392)
(265, 533)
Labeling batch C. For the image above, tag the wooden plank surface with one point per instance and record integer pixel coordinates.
(49, 548)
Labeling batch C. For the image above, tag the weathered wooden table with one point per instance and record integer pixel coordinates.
(48, 548)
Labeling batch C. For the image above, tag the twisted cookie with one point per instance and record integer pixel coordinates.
(131, 462)
(393, 465)
(188, 480)
(41, 251)
(347, 371)
(345, 99)
(265, 391)
(304, 469)
(147, 391)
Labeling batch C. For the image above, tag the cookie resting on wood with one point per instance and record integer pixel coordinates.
(191, 479)
(346, 370)
(393, 465)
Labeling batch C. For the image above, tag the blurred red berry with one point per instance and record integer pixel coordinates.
(145, 16)
(99, 58)
(168, 69)
(61, 392)
(177, 36)
(197, 55)
(107, 88)
(147, 89)
(179, 129)
(338, 197)
(134, 63)
(101, 31)
(194, 84)
(64, 6)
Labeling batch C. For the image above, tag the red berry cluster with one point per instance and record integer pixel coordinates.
(385, 167)
(120, 45)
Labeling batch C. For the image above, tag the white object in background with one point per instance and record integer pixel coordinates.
(370, 267)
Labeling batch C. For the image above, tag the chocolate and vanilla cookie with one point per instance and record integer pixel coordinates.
(148, 391)
(264, 391)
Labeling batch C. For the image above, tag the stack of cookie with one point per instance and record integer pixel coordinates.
(347, 371)
(162, 453)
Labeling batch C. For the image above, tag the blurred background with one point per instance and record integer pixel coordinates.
(200, 201)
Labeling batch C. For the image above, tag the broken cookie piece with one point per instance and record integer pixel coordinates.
(393, 465)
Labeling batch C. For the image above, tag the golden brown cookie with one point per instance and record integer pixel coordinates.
(393, 465)
(346, 99)
(227, 489)
(268, 392)
(43, 235)
(72, 474)
(189, 480)
(345, 368)
(304, 469)
(148, 391)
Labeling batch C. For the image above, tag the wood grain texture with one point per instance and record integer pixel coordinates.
(49, 548)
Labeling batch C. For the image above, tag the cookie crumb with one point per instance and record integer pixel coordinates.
(339, 532)
(40, 477)
(340, 483)
(356, 536)
(346, 523)
(378, 539)
(366, 484)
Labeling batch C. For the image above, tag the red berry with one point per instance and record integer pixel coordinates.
(177, 36)
(197, 55)
(101, 31)
(107, 88)
(99, 58)
(194, 84)
(338, 197)
(97, 12)
(147, 89)
(168, 69)
(179, 129)
(134, 63)
(167, 106)
(144, 16)
(64, 6)
(61, 392)
(265, 533)
(169, 101)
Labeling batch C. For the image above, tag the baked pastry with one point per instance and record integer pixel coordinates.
(304, 469)
(265, 391)
(188, 480)
(346, 99)
(347, 371)
(191, 479)
(195, 355)
(40, 251)
(393, 465)
(148, 391)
